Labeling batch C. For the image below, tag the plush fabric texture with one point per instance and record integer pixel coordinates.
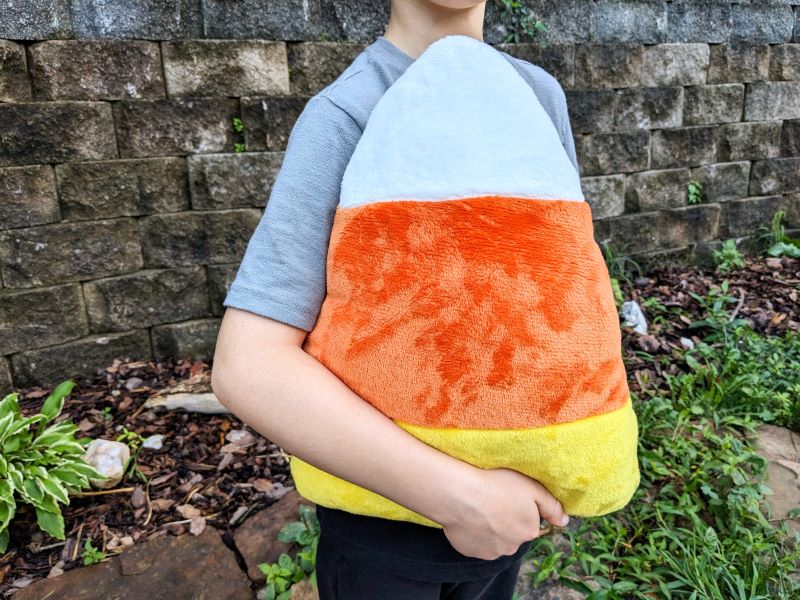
(475, 308)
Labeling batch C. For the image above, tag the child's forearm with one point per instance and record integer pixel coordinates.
(295, 401)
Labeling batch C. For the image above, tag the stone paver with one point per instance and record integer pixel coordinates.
(781, 448)
(200, 568)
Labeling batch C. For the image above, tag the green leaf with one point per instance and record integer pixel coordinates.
(3, 540)
(54, 488)
(55, 401)
(9, 405)
(51, 523)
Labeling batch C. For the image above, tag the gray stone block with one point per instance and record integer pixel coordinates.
(14, 83)
(744, 217)
(146, 298)
(238, 180)
(767, 23)
(176, 126)
(268, 122)
(140, 19)
(314, 65)
(609, 153)
(698, 21)
(723, 181)
(706, 104)
(785, 62)
(661, 230)
(608, 66)
(220, 278)
(6, 381)
(360, 21)
(53, 132)
(122, 188)
(225, 68)
(192, 339)
(649, 108)
(605, 194)
(675, 64)
(790, 138)
(772, 100)
(96, 70)
(591, 111)
(653, 190)
(35, 19)
(738, 62)
(621, 21)
(689, 225)
(197, 238)
(66, 252)
(288, 20)
(683, 147)
(28, 196)
(738, 141)
(775, 176)
(79, 359)
(37, 318)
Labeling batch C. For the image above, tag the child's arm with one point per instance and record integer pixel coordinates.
(262, 374)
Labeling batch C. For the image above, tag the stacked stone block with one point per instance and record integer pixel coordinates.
(127, 196)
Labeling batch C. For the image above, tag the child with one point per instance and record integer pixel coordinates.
(426, 248)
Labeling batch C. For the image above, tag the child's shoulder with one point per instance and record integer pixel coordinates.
(536, 76)
(356, 90)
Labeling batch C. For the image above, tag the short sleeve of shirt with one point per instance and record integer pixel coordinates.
(282, 273)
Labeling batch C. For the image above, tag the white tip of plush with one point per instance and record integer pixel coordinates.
(459, 122)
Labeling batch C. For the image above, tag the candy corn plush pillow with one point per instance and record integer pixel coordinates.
(466, 296)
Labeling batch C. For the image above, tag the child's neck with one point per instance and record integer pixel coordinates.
(413, 26)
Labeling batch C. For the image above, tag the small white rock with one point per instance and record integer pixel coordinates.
(634, 317)
(687, 343)
(154, 442)
(109, 458)
(240, 437)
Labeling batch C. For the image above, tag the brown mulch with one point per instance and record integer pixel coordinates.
(199, 479)
(196, 478)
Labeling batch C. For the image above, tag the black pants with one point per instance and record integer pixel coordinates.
(340, 578)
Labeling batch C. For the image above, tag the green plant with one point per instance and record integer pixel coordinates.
(287, 571)
(619, 267)
(40, 466)
(91, 555)
(134, 441)
(719, 323)
(728, 257)
(694, 192)
(776, 240)
(238, 127)
(696, 527)
(520, 22)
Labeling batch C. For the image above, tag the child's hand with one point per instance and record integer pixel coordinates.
(502, 513)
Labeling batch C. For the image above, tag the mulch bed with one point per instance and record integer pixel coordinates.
(197, 467)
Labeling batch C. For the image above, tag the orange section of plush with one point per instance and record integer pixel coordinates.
(487, 312)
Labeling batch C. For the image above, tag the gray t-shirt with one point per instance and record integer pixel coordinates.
(283, 273)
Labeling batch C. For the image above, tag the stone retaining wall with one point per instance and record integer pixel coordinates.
(127, 196)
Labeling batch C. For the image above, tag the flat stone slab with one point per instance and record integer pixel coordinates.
(781, 448)
(186, 566)
(257, 537)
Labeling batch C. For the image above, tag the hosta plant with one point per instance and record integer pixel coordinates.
(40, 464)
